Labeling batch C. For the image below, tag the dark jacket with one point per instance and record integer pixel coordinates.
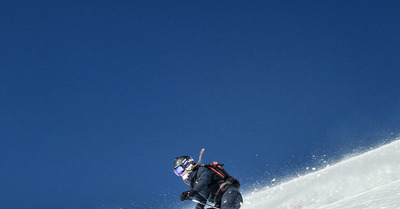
(204, 184)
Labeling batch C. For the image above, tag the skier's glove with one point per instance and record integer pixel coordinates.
(186, 195)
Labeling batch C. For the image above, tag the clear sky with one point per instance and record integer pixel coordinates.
(99, 97)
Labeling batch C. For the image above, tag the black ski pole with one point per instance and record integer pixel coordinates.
(205, 204)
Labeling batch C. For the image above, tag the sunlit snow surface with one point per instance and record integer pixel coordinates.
(367, 181)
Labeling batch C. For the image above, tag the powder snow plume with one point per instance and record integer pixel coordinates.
(368, 181)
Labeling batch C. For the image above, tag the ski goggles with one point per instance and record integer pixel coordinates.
(179, 170)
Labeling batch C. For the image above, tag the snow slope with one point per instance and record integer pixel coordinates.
(368, 181)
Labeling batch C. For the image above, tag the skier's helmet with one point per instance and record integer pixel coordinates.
(181, 163)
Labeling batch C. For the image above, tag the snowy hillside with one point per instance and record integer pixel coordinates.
(367, 181)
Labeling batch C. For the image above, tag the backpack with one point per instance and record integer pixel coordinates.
(225, 180)
(222, 173)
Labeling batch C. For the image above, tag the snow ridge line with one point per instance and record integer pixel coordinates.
(359, 194)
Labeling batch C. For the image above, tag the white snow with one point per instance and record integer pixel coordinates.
(368, 181)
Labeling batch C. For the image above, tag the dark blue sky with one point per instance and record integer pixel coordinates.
(99, 97)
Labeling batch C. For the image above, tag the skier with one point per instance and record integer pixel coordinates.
(206, 184)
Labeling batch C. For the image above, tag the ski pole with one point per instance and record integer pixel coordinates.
(201, 153)
(205, 204)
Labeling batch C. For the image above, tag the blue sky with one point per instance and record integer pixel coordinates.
(99, 97)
